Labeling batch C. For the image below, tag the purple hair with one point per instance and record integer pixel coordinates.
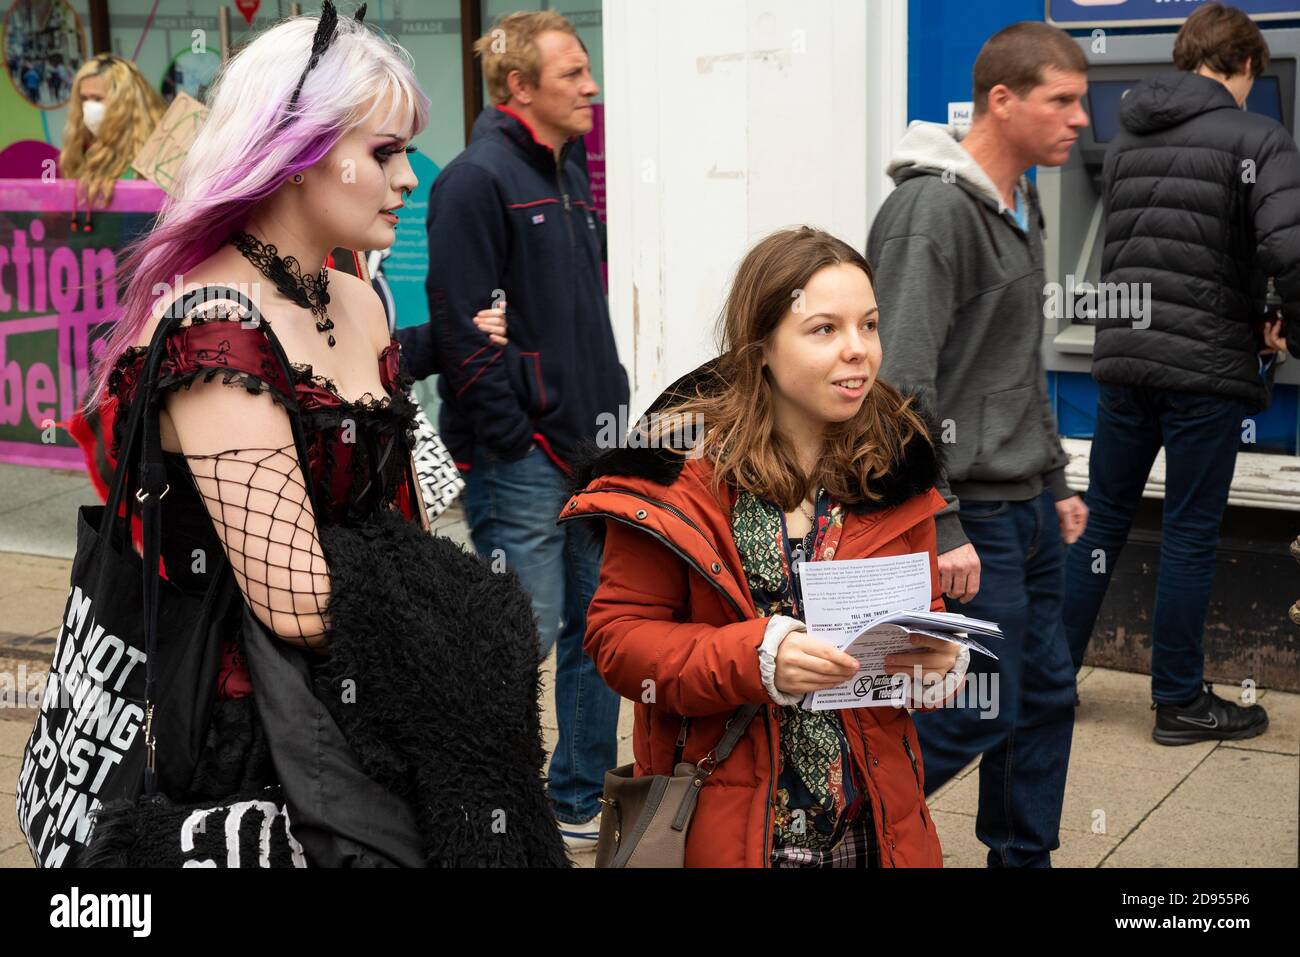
(218, 187)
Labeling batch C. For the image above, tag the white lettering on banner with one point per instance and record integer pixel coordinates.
(88, 722)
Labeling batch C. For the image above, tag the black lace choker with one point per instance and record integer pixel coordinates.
(309, 292)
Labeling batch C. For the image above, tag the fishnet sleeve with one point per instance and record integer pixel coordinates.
(238, 443)
(262, 514)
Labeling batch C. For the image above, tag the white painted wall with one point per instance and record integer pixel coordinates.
(727, 120)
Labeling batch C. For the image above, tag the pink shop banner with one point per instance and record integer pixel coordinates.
(58, 285)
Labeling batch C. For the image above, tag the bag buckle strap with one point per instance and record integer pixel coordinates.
(150, 742)
(142, 496)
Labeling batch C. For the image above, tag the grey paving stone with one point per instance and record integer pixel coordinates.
(1116, 732)
(1283, 734)
(47, 526)
(1182, 837)
(1111, 798)
(17, 574)
(32, 611)
(8, 781)
(17, 856)
(1246, 784)
(15, 727)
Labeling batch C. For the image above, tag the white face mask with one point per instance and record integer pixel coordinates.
(92, 114)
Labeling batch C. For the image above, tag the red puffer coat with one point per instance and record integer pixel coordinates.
(673, 628)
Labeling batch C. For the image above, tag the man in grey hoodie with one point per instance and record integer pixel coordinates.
(958, 256)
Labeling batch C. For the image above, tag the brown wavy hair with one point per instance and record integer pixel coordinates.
(132, 108)
(738, 422)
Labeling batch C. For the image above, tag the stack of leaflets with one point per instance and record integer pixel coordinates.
(947, 625)
(870, 608)
(890, 634)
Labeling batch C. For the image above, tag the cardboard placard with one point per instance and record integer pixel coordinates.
(160, 158)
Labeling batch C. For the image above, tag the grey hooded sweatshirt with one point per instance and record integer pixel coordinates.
(961, 292)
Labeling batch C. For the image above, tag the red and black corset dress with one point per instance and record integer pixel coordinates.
(358, 451)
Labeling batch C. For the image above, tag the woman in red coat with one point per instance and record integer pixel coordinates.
(797, 452)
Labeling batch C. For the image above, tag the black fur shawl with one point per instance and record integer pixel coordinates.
(919, 470)
(443, 654)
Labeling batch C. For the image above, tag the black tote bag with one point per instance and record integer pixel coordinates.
(134, 737)
(128, 698)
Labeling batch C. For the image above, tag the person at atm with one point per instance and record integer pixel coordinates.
(1202, 208)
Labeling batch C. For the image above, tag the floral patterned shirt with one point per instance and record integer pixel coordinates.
(817, 794)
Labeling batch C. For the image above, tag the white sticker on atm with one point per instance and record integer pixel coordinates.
(959, 114)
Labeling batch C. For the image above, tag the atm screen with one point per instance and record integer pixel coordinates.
(1266, 97)
(1103, 107)
(1104, 98)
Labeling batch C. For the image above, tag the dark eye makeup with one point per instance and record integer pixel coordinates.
(384, 153)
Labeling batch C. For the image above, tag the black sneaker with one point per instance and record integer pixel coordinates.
(1207, 718)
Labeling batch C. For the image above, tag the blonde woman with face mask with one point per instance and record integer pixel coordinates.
(113, 111)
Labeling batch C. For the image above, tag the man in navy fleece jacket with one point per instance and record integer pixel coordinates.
(511, 223)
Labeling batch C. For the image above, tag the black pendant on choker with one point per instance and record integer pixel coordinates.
(309, 292)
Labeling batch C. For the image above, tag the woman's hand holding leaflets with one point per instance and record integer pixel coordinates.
(930, 669)
(934, 656)
(805, 664)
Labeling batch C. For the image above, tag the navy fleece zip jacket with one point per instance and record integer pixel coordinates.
(508, 222)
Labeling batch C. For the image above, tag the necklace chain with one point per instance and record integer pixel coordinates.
(308, 292)
(810, 513)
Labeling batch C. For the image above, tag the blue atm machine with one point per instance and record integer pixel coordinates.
(1248, 634)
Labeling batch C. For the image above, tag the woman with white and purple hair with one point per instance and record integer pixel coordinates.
(304, 151)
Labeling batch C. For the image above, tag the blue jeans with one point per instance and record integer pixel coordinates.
(1026, 744)
(1200, 434)
(511, 508)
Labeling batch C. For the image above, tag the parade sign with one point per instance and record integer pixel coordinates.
(57, 289)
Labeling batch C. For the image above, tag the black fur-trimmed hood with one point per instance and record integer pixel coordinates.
(919, 471)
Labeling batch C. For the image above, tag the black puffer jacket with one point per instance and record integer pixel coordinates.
(1202, 202)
